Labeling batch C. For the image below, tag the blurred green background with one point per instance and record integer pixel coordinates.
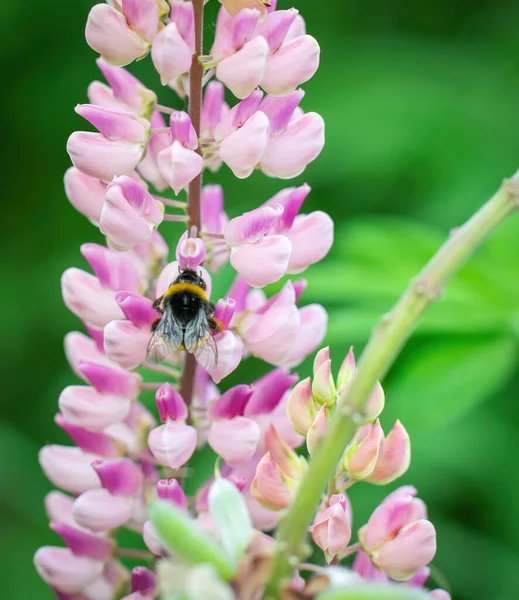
(421, 103)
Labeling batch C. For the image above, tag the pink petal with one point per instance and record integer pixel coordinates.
(386, 521)
(119, 476)
(312, 237)
(312, 329)
(85, 407)
(291, 199)
(137, 309)
(115, 125)
(263, 262)
(234, 33)
(99, 511)
(268, 391)
(79, 347)
(363, 566)
(235, 440)
(85, 193)
(231, 403)
(126, 344)
(252, 226)
(242, 150)
(243, 71)
(190, 251)
(270, 487)
(173, 443)
(107, 32)
(69, 468)
(275, 27)
(64, 571)
(293, 64)
(230, 351)
(183, 14)
(97, 156)
(280, 110)
(394, 458)
(212, 108)
(58, 507)
(289, 152)
(170, 54)
(179, 165)
(237, 116)
(84, 543)
(361, 462)
(114, 270)
(87, 299)
(110, 380)
(142, 16)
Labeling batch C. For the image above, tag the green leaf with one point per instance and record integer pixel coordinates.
(182, 536)
(443, 379)
(373, 591)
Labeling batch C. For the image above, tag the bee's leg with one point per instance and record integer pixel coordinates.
(215, 324)
(157, 304)
(154, 325)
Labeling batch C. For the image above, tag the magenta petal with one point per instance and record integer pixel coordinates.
(170, 54)
(231, 403)
(110, 380)
(113, 269)
(88, 441)
(84, 543)
(243, 71)
(64, 571)
(173, 443)
(170, 489)
(182, 130)
(107, 32)
(300, 143)
(79, 347)
(291, 199)
(190, 251)
(119, 476)
(99, 511)
(312, 237)
(115, 125)
(97, 156)
(137, 309)
(235, 440)
(234, 33)
(293, 64)
(85, 193)
(280, 110)
(242, 150)
(363, 566)
(170, 404)
(268, 392)
(252, 226)
(143, 581)
(275, 27)
(263, 262)
(224, 311)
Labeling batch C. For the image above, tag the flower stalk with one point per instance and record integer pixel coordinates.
(380, 353)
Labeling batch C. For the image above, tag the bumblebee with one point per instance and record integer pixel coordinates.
(187, 322)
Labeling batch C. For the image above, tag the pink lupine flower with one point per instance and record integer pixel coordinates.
(86, 194)
(190, 252)
(122, 37)
(84, 543)
(179, 164)
(174, 442)
(331, 529)
(398, 538)
(301, 407)
(95, 442)
(64, 571)
(171, 54)
(100, 511)
(258, 257)
(69, 468)
(361, 455)
(130, 214)
(85, 407)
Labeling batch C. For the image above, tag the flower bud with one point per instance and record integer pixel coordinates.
(173, 443)
(301, 407)
(316, 431)
(84, 543)
(397, 537)
(143, 581)
(346, 371)
(170, 489)
(213, 106)
(69, 468)
(331, 529)
(190, 252)
(130, 214)
(361, 455)
(85, 193)
(58, 507)
(323, 386)
(394, 456)
(99, 511)
(64, 571)
(170, 404)
(120, 477)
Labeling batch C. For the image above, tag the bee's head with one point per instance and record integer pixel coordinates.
(190, 276)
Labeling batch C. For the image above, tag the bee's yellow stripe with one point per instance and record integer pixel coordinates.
(185, 286)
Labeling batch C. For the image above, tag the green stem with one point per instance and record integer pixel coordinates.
(380, 353)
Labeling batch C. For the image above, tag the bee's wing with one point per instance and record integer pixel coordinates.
(199, 341)
(166, 338)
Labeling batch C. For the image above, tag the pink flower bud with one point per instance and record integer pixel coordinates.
(230, 351)
(170, 404)
(69, 468)
(285, 458)
(137, 309)
(99, 511)
(346, 371)
(301, 407)
(113, 269)
(115, 125)
(244, 70)
(143, 581)
(243, 149)
(293, 64)
(398, 538)
(272, 488)
(190, 252)
(64, 571)
(170, 489)
(170, 54)
(179, 165)
(361, 455)
(394, 456)
(108, 32)
(235, 440)
(317, 431)
(84, 543)
(173, 443)
(88, 441)
(120, 476)
(312, 329)
(85, 193)
(323, 386)
(85, 407)
(331, 529)
(224, 311)
(289, 152)
(126, 344)
(95, 155)
(84, 295)
(130, 214)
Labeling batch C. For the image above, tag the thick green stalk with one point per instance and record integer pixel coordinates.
(380, 353)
